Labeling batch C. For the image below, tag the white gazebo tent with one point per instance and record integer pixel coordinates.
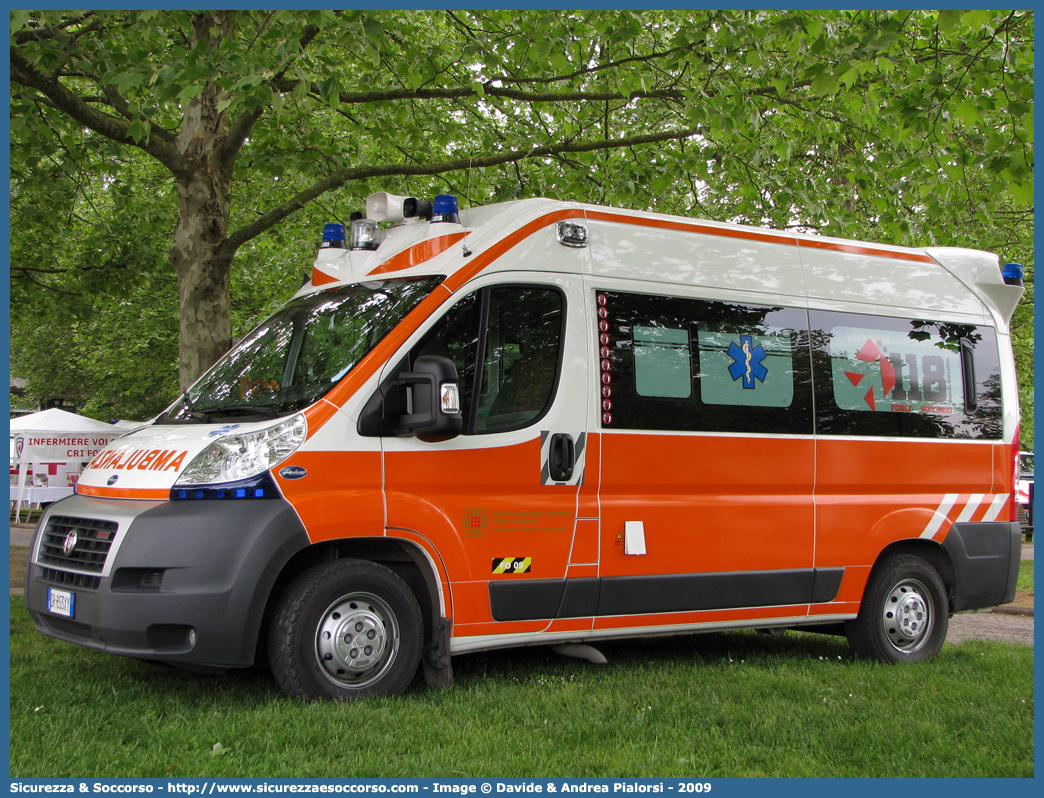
(54, 436)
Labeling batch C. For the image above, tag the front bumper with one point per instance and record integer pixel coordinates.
(184, 582)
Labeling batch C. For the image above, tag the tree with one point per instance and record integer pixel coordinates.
(119, 362)
(867, 123)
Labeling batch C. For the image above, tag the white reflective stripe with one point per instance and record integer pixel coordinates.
(998, 504)
(970, 507)
(940, 515)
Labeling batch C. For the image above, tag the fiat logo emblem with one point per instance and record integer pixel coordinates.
(69, 543)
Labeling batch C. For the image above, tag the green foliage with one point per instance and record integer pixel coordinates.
(119, 361)
(908, 127)
(703, 706)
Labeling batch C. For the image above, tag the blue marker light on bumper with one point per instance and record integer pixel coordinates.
(260, 487)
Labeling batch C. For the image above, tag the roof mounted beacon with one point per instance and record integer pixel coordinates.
(391, 222)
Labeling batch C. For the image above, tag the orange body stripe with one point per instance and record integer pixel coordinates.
(411, 256)
(699, 616)
(481, 261)
(418, 253)
(862, 249)
(693, 227)
(322, 278)
(570, 625)
(767, 237)
(317, 415)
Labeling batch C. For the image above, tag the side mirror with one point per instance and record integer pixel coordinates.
(436, 399)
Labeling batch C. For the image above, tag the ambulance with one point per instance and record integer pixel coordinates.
(544, 422)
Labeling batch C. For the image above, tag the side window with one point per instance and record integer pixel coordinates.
(673, 363)
(456, 337)
(752, 370)
(506, 343)
(905, 377)
(661, 361)
(521, 355)
(918, 375)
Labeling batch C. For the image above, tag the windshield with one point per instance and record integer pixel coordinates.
(299, 353)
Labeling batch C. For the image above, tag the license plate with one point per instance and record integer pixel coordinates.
(61, 602)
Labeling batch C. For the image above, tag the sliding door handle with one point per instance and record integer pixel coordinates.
(561, 457)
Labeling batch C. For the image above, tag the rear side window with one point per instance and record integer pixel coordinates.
(747, 369)
(661, 362)
(673, 363)
(905, 378)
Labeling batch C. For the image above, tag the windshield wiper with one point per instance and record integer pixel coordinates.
(261, 410)
(193, 414)
(191, 410)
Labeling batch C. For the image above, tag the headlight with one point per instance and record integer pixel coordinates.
(234, 457)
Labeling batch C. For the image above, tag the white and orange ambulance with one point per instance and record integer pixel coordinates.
(543, 422)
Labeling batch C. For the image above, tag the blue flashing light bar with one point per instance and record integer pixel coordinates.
(334, 237)
(1012, 273)
(445, 209)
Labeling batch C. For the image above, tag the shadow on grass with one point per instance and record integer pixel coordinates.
(707, 649)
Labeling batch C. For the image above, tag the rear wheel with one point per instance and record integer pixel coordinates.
(346, 629)
(904, 614)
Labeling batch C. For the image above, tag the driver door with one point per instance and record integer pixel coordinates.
(499, 502)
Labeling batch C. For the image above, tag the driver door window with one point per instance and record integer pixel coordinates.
(518, 331)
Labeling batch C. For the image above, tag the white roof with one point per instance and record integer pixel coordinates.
(56, 420)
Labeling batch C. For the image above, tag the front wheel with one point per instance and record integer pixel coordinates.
(904, 614)
(346, 629)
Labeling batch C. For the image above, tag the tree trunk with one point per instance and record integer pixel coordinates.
(204, 202)
(204, 300)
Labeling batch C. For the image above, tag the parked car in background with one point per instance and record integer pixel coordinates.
(1026, 493)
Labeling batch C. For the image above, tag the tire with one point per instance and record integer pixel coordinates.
(343, 630)
(904, 614)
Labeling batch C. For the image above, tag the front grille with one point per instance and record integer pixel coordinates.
(93, 539)
(67, 627)
(66, 579)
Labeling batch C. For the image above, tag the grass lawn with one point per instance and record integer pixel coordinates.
(1025, 580)
(736, 704)
(1024, 585)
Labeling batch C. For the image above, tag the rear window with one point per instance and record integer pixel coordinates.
(906, 378)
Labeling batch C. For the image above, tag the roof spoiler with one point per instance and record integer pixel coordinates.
(981, 271)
